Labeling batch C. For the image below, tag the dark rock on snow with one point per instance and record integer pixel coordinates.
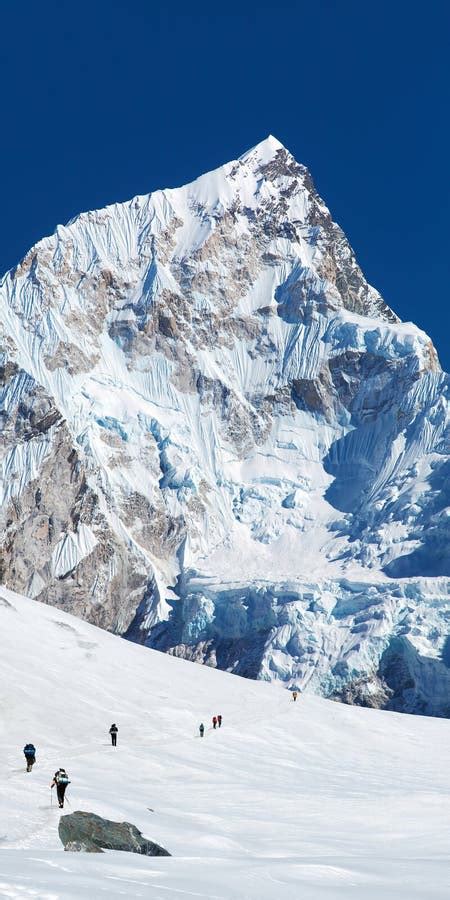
(85, 831)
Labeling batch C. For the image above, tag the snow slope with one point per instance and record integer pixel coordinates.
(219, 440)
(313, 799)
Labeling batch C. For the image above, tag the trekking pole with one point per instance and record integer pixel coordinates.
(51, 797)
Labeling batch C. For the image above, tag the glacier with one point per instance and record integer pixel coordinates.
(218, 440)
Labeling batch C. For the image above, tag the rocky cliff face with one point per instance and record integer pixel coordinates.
(218, 440)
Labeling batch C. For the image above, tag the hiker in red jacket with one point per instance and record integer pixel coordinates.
(214, 721)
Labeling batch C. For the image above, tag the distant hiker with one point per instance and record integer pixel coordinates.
(214, 721)
(61, 779)
(219, 721)
(294, 695)
(113, 732)
(202, 730)
(30, 756)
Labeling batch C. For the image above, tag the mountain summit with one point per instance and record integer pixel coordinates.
(218, 439)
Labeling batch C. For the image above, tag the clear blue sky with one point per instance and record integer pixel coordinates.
(103, 100)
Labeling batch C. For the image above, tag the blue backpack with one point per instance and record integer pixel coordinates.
(62, 778)
(29, 750)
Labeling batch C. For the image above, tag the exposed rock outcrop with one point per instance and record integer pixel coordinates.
(85, 831)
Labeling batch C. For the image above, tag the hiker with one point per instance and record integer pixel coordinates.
(219, 721)
(113, 732)
(294, 695)
(61, 779)
(30, 756)
(202, 729)
(214, 721)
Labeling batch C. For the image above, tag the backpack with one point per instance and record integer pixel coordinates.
(62, 778)
(29, 750)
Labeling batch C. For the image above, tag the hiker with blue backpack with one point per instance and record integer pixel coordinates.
(30, 756)
(61, 780)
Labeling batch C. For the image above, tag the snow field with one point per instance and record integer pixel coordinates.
(308, 799)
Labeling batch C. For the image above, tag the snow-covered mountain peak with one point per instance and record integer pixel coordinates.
(264, 152)
(219, 438)
(265, 149)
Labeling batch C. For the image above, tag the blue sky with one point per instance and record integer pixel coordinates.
(103, 100)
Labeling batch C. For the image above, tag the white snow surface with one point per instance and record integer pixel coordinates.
(71, 549)
(310, 799)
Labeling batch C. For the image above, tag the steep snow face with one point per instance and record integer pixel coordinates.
(218, 439)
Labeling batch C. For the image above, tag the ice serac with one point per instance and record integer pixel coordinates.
(218, 440)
